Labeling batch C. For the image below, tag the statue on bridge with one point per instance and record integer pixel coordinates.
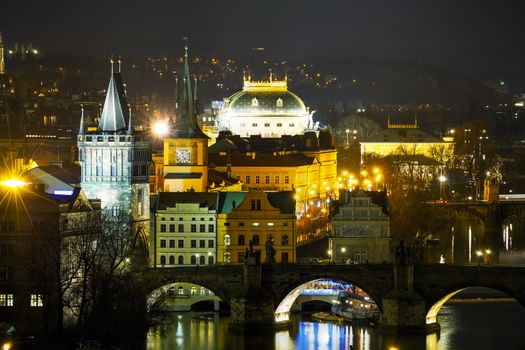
(401, 254)
(270, 251)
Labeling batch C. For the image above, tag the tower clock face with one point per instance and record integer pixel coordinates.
(183, 156)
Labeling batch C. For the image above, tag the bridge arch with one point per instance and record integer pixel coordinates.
(293, 290)
(192, 292)
(435, 305)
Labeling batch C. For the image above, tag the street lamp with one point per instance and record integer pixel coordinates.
(329, 255)
(160, 128)
(488, 252)
(442, 180)
(197, 255)
(347, 132)
(479, 253)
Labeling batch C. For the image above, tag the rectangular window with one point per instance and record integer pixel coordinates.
(163, 228)
(211, 243)
(193, 228)
(6, 300)
(267, 179)
(163, 243)
(257, 179)
(284, 257)
(194, 243)
(202, 243)
(286, 179)
(6, 273)
(181, 243)
(202, 228)
(247, 179)
(211, 228)
(36, 300)
(277, 180)
(181, 227)
(172, 228)
(172, 243)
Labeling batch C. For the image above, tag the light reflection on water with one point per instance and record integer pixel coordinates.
(464, 325)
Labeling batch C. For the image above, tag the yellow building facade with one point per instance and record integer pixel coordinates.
(255, 217)
(406, 139)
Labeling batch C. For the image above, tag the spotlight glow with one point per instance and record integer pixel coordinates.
(160, 128)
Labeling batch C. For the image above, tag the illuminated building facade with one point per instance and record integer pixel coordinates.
(303, 163)
(36, 258)
(185, 165)
(405, 139)
(255, 216)
(115, 161)
(265, 108)
(184, 229)
(361, 228)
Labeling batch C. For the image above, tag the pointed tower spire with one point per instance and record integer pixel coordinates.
(186, 126)
(130, 125)
(2, 61)
(114, 115)
(195, 99)
(81, 127)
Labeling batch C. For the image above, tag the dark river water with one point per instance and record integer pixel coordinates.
(472, 324)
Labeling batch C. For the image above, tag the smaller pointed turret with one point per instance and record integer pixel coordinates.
(81, 127)
(130, 125)
(2, 61)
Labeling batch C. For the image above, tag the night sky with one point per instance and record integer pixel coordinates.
(473, 36)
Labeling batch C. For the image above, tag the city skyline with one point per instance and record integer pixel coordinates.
(471, 36)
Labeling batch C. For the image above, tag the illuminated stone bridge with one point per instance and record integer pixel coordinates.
(409, 296)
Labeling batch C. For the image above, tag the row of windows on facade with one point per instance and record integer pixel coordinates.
(170, 260)
(8, 300)
(242, 255)
(193, 243)
(193, 291)
(266, 179)
(180, 228)
(241, 240)
(256, 224)
(162, 218)
(267, 125)
(278, 102)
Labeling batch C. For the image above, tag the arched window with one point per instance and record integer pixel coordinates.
(255, 102)
(193, 260)
(202, 260)
(279, 102)
(255, 239)
(284, 240)
(227, 257)
(258, 204)
(163, 260)
(227, 240)
(253, 204)
(211, 260)
(172, 260)
(181, 260)
(241, 240)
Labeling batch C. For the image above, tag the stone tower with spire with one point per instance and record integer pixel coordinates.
(114, 161)
(186, 146)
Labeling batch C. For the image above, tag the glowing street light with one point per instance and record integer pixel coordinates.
(13, 183)
(442, 180)
(347, 132)
(479, 253)
(160, 128)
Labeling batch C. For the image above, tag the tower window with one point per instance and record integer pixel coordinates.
(267, 125)
(279, 125)
(254, 125)
(255, 102)
(279, 102)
